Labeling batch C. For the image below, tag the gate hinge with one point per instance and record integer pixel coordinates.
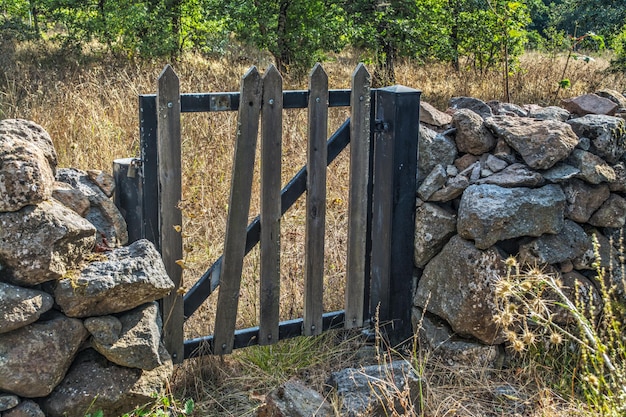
(380, 125)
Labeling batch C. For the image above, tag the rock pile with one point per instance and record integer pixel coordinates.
(79, 328)
(496, 180)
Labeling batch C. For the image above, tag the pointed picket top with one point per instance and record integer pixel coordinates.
(361, 76)
(318, 77)
(167, 75)
(272, 73)
(251, 83)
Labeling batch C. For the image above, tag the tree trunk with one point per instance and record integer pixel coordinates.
(282, 55)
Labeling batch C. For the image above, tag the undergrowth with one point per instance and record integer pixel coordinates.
(574, 331)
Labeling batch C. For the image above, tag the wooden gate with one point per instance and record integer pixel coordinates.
(383, 135)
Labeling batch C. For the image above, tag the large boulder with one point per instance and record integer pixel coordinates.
(95, 384)
(459, 286)
(592, 168)
(43, 242)
(434, 226)
(123, 279)
(541, 143)
(476, 105)
(102, 212)
(33, 133)
(434, 149)
(569, 243)
(36, 357)
(489, 213)
(136, 344)
(25, 174)
(590, 104)
(471, 134)
(583, 199)
(607, 135)
(21, 306)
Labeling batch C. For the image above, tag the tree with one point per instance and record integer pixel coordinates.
(296, 32)
(605, 17)
(398, 28)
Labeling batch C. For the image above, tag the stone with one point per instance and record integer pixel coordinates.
(515, 175)
(137, 344)
(506, 109)
(559, 173)
(362, 391)
(612, 213)
(26, 177)
(504, 151)
(43, 242)
(608, 257)
(103, 180)
(465, 162)
(454, 187)
(459, 286)
(93, 383)
(440, 341)
(294, 399)
(607, 135)
(103, 213)
(8, 401)
(489, 213)
(613, 95)
(105, 330)
(124, 279)
(33, 133)
(434, 149)
(569, 243)
(590, 104)
(26, 408)
(71, 198)
(434, 226)
(593, 169)
(473, 104)
(583, 199)
(619, 185)
(433, 182)
(541, 143)
(472, 136)
(21, 306)
(431, 116)
(36, 357)
(548, 113)
(495, 164)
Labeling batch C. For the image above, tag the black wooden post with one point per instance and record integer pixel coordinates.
(129, 195)
(149, 171)
(396, 130)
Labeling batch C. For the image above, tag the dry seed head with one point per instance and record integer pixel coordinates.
(511, 262)
(529, 337)
(503, 288)
(518, 345)
(526, 285)
(556, 339)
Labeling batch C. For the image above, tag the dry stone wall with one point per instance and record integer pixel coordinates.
(80, 330)
(498, 180)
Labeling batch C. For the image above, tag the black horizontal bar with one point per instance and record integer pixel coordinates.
(212, 102)
(249, 337)
(209, 281)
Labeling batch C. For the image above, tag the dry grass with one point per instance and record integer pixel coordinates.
(89, 107)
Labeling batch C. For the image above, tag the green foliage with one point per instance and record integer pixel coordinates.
(619, 47)
(296, 32)
(604, 17)
(163, 406)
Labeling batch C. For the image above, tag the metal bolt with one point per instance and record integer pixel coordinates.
(223, 346)
(317, 99)
(271, 101)
(174, 355)
(312, 327)
(269, 337)
(170, 105)
(353, 319)
(360, 98)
